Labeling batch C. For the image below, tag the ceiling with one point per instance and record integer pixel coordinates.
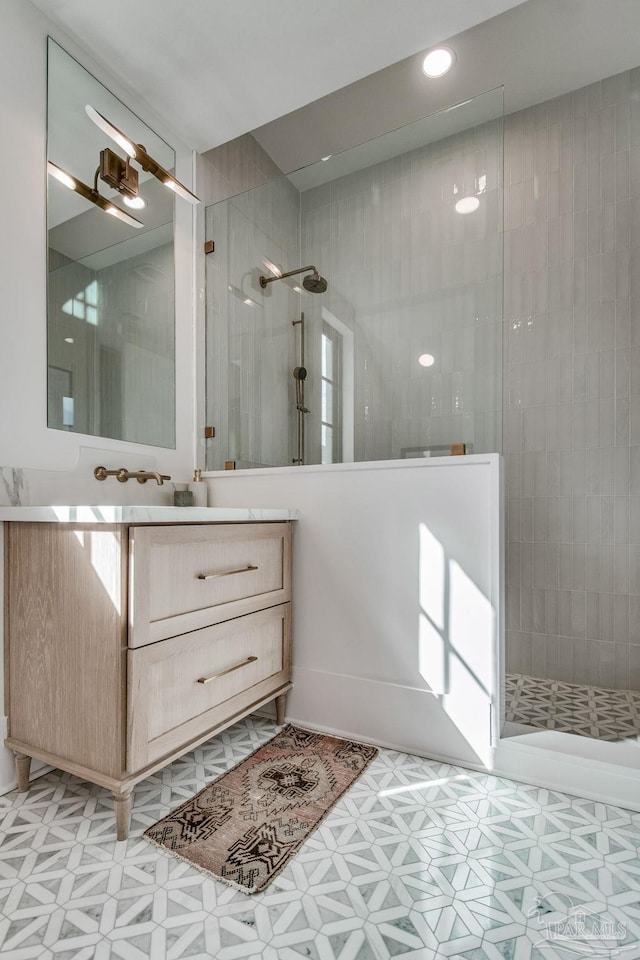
(537, 50)
(215, 69)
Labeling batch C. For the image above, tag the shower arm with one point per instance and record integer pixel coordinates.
(291, 273)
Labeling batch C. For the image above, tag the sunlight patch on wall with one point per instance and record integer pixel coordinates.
(105, 560)
(431, 618)
(84, 306)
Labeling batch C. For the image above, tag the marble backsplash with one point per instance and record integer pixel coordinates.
(21, 487)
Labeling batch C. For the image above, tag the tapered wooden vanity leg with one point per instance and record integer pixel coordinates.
(122, 804)
(281, 705)
(23, 766)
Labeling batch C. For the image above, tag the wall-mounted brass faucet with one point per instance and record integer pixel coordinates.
(101, 473)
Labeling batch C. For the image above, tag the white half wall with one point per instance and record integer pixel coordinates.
(396, 613)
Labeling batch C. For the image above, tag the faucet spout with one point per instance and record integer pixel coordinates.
(101, 473)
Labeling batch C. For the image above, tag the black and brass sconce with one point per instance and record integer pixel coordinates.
(119, 174)
(135, 151)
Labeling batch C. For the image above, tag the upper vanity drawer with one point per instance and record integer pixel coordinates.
(185, 577)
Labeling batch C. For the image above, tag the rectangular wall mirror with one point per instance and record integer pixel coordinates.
(110, 290)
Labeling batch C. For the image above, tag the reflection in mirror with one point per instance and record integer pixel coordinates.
(110, 295)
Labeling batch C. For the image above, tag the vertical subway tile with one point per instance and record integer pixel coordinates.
(565, 659)
(621, 519)
(565, 566)
(593, 663)
(607, 665)
(551, 611)
(578, 614)
(579, 520)
(579, 661)
(578, 566)
(552, 657)
(592, 567)
(593, 616)
(564, 613)
(539, 563)
(634, 667)
(621, 619)
(525, 653)
(607, 559)
(539, 655)
(621, 569)
(513, 644)
(606, 617)
(621, 666)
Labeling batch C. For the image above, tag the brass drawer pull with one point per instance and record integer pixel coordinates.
(215, 676)
(227, 573)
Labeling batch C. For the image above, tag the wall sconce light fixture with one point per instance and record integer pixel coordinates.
(138, 153)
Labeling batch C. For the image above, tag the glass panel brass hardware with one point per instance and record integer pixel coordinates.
(226, 573)
(215, 676)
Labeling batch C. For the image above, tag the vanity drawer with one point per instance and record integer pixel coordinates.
(240, 661)
(189, 576)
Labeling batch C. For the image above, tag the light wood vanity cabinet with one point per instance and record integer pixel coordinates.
(127, 645)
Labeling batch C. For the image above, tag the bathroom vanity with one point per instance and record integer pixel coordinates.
(134, 634)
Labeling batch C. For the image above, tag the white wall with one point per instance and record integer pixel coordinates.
(65, 459)
(396, 597)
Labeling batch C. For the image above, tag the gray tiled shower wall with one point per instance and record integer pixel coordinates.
(572, 386)
(410, 276)
(407, 275)
(571, 398)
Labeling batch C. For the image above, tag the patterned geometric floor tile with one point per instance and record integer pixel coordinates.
(419, 859)
(611, 715)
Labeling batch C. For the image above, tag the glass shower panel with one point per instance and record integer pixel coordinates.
(403, 350)
(250, 334)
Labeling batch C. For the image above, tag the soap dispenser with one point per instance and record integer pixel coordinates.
(198, 489)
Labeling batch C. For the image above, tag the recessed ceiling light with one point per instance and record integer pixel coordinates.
(68, 339)
(426, 360)
(438, 62)
(467, 204)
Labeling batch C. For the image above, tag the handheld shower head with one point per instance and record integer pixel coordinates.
(313, 283)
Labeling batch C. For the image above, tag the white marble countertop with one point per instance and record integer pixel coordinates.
(139, 514)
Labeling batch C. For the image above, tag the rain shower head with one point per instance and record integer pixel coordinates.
(314, 283)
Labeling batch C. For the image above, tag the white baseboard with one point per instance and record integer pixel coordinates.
(580, 766)
(402, 718)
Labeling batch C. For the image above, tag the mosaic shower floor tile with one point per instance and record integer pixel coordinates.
(419, 859)
(573, 708)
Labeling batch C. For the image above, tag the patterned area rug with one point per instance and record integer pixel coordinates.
(245, 826)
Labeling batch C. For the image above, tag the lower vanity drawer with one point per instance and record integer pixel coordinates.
(177, 689)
